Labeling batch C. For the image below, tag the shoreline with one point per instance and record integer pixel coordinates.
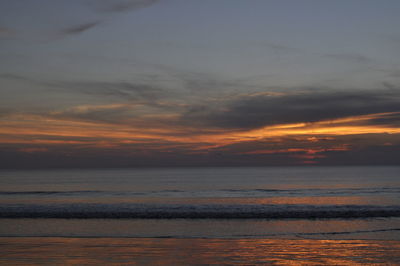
(189, 251)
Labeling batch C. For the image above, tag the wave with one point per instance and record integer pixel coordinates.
(303, 235)
(256, 192)
(328, 233)
(48, 192)
(200, 211)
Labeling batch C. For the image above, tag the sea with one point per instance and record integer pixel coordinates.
(201, 216)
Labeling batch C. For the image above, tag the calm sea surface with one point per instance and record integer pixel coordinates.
(213, 207)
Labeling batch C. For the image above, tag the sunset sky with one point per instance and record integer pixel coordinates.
(116, 83)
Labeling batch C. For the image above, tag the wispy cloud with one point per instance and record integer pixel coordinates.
(116, 6)
(216, 110)
(77, 29)
(106, 6)
(16, 77)
(118, 89)
(129, 91)
(350, 57)
(390, 86)
(110, 113)
(104, 9)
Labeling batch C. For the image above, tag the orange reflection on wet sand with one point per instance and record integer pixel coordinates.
(150, 251)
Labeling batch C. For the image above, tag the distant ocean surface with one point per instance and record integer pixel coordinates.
(292, 202)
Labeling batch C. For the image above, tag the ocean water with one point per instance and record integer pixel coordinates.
(270, 214)
(324, 202)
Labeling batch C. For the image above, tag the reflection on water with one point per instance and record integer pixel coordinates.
(150, 251)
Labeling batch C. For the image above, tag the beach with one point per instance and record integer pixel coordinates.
(153, 251)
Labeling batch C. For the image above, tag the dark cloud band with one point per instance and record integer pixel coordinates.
(256, 111)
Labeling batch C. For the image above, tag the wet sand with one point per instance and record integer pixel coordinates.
(196, 251)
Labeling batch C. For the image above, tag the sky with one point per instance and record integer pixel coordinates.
(148, 83)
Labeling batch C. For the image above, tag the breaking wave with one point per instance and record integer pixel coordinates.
(256, 192)
(196, 211)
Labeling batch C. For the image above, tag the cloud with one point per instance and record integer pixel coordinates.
(255, 111)
(126, 102)
(390, 86)
(216, 110)
(116, 6)
(351, 57)
(367, 149)
(111, 113)
(391, 119)
(14, 77)
(118, 89)
(77, 29)
(364, 150)
(106, 6)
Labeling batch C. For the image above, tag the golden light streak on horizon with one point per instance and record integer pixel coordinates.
(38, 129)
(327, 127)
(309, 151)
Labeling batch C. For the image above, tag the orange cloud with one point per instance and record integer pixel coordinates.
(35, 129)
